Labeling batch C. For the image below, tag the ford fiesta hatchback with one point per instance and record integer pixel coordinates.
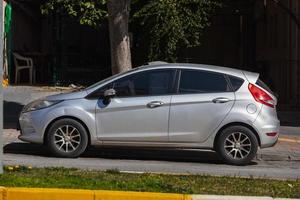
(160, 105)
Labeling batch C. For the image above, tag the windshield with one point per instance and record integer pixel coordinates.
(108, 79)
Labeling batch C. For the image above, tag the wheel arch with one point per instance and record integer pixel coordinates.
(67, 117)
(236, 124)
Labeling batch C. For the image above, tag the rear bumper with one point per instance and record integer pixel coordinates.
(267, 122)
(265, 140)
(269, 144)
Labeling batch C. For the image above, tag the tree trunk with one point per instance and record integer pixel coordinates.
(118, 16)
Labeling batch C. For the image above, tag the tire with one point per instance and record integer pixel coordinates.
(67, 138)
(237, 145)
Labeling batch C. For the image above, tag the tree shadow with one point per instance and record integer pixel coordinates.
(11, 112)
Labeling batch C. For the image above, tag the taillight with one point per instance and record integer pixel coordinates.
(261, 96)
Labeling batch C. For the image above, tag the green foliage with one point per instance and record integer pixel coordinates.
(174, 24)
(88, 12)
(170, 24)
(113, 180)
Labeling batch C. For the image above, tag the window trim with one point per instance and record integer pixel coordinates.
(174, 72)
(213, 72)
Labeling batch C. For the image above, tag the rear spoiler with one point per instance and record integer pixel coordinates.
(252, 77)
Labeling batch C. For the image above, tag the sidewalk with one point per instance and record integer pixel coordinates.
(287, 148)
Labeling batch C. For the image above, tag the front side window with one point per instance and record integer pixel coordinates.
(199, 81)
(147, 83)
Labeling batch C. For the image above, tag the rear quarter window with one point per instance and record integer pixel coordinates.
(236, 82)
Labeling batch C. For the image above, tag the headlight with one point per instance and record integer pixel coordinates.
(39, 104)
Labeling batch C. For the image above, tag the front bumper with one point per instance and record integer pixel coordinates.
(31, 127)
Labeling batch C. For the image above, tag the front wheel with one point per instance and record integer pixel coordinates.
(67, 138)
(237, 145)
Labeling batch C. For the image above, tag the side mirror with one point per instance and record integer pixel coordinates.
(108, 95)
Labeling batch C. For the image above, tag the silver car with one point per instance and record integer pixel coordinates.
(188, 106)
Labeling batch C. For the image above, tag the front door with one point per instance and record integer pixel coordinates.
(140, 110)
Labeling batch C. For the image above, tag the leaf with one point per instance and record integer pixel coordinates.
(174, 24)
(88, 12)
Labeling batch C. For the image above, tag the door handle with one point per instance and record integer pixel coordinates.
(220, 100)
(154, 104)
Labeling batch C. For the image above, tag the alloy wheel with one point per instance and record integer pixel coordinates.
(237, 145)
(67, 138)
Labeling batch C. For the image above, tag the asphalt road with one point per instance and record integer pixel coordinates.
(269, 163)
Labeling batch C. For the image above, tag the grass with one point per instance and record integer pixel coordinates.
(115, 180)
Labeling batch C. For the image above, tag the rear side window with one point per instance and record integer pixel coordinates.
(198, 81)
(236, 82)
(261, 84)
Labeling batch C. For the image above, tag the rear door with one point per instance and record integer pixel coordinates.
(202, 101)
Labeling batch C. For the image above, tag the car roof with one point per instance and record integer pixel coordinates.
(213, 68)
(250, 76)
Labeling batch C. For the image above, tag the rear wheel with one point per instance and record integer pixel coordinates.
(67, 138)
(237, 145)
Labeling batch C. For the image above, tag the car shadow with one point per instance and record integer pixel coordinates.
(175, 155)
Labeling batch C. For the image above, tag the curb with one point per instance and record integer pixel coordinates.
(220, 197)
(266, 156)
(79, 194)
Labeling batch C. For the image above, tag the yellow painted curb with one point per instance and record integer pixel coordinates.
(48, 194)
(78, 194)
(113, 195)
(2, 193)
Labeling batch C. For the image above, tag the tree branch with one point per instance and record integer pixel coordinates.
(289, 11)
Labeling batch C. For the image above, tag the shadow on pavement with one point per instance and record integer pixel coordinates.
(123, 153)
(11, 111)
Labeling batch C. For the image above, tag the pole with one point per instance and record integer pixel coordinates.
(1, 87)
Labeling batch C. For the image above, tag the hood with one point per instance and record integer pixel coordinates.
(67, 96)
